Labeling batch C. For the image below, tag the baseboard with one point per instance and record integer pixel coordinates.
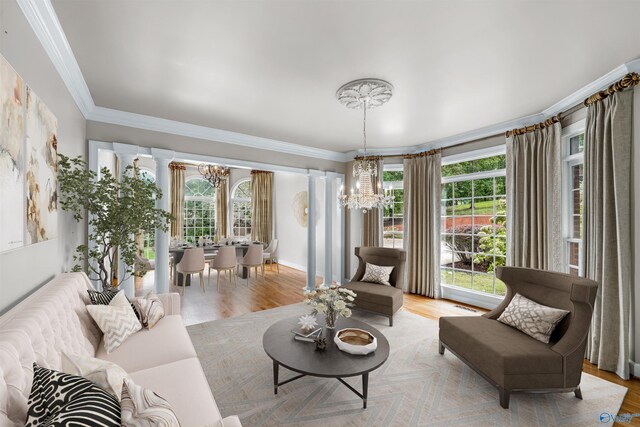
(634, 368)
(303, 268)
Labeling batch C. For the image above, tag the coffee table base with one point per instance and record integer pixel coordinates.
(363, 395)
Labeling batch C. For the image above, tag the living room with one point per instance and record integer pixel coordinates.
(267, 213)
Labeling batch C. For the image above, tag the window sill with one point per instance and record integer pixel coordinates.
(468, 296)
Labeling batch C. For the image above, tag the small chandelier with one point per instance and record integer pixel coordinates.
(365, 94)
(213, 173)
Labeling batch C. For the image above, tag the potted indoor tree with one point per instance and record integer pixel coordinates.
(116, 210)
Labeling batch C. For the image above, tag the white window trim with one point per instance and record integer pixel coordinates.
(568, 161)
(201, 199)
(456, 293)
(232, 200)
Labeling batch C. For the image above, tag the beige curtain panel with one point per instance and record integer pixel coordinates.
(607, 246)
(534, 191)
(177, 199)
(372, 219)
(422, 188)
(261, 205)
(222, 209)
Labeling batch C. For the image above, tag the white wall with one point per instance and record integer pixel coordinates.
(25, 269)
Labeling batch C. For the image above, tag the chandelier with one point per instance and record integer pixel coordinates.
(213, 173)
(365, 94)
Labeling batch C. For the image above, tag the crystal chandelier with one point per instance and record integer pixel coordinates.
(365, 94)
(213, 173)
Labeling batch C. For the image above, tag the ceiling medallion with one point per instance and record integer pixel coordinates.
(213, 173)
(365, 94)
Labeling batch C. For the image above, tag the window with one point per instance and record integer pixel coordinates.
(393, 216)
(473, 227)
(149, 237)
(241, 209)
(573, 153)
(199, 210)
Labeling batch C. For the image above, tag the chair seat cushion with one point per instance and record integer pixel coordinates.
(372, 293)
(497, 349)
(153, 344)
(184, 386)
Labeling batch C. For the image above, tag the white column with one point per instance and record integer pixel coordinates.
(340, 228)
(162, 159)
(126, 155)
(311, 231)
(328, 229)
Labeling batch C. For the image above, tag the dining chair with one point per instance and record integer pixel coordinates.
(192, 262)
(225, 260)
(271, 254)
(253, 259)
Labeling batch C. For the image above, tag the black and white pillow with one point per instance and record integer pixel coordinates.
(105, 297)
(59, 399)
(377, 274)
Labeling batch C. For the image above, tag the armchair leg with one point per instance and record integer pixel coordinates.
(578, 393)
(390, 320)
(441, 348)
(504, 397)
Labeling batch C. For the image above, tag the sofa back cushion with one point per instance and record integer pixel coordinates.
(51, 320)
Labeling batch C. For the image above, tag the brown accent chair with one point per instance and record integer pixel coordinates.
(373, 297)
(513, 361)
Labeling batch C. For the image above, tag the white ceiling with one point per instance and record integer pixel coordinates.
(271, 68)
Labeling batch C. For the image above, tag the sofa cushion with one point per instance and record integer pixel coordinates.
(376, 294)
(497, 349)
(167, 342)
(184, 386)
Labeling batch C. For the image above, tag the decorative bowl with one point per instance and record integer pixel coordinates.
(355, 341)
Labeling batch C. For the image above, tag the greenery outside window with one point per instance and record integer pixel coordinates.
(149, 237)
(393, 215)
(199, 210)
(473, 226)
(241, 209)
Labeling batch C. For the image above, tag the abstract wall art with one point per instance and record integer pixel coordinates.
(28, 164)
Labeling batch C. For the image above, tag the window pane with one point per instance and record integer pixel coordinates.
(501, 288)
(462, 189)
(447, 190)
(457, 169)
(462, 207)
(490, 163)
(483, 187)
(462, 279)
(501, 187)
(576, 144)
(446, 276)
(483, 282)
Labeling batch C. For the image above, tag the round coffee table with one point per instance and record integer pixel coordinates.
(302, 357)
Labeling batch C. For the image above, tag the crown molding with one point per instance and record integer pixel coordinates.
(43, 20)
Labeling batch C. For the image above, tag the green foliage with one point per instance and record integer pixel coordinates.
(115, 211)
(490, 240)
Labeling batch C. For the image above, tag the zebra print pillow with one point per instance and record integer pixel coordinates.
(105, 297)
(59, 399)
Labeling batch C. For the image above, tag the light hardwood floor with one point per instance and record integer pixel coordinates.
(286, 288)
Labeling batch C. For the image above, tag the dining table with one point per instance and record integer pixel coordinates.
(178, 253)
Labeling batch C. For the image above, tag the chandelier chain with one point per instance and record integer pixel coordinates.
(364, 128)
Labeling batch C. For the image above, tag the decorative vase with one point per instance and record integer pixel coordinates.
(331, 318)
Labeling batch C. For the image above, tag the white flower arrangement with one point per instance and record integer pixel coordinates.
(332, 301)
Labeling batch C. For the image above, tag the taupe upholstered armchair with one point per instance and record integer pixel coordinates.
(373, 297)
(513, 361)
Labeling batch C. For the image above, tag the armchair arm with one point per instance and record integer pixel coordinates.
(579, 322)
(171, 303)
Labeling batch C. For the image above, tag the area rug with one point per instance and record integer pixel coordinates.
(415, 387)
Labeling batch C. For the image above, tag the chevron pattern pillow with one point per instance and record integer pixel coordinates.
(116, 321)
(377, 274)
(143, 408)
(105, 297)
(59, 399)
(151, 310)
(536, 320)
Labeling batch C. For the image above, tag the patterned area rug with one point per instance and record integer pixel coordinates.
(415, 387)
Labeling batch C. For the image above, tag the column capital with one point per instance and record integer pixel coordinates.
(160, 154)
(125, 149)
(314, 173)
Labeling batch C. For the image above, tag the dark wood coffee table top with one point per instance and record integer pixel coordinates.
(302, 357)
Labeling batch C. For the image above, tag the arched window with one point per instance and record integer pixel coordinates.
(199, 209)
(241, 209)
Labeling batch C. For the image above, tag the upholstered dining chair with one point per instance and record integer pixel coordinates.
(225, 260)
(253, 259)
(271, 254)
(142, 262)
(192, 262)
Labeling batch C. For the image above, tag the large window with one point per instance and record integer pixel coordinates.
(241, 209)
(573, 150)
(393, 216)
(149, 236)
(199, 210)
(473, 227)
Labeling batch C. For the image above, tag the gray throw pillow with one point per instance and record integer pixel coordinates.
(377, 274)
(536, 320)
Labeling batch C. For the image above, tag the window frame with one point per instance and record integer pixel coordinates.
(232, 201)
(204, 199)
(457, 293)
(568, 162)
(393, 185)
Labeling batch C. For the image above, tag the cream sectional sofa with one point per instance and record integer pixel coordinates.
(54, 319)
